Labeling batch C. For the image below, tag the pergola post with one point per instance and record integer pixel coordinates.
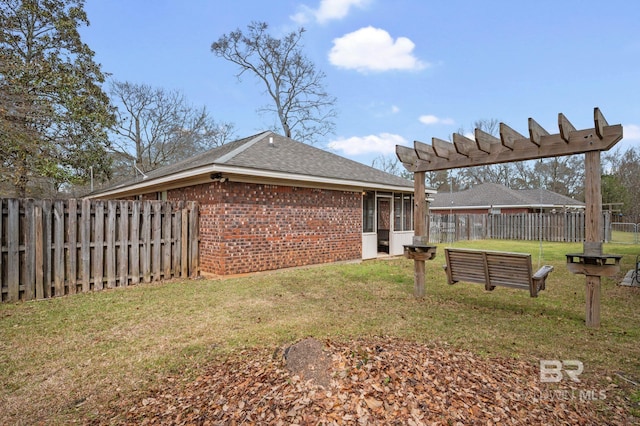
(421, 237)
(593, 241)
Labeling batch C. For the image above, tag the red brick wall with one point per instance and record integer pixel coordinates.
(255, 227)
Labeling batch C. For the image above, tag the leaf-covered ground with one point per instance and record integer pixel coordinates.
(376, 381)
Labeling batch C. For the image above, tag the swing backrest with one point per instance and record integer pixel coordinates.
(493, 268)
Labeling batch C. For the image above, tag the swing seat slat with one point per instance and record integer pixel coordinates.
(495, 268)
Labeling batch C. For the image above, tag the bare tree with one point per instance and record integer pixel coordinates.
(390, 164)
(503, 173)
(156, 127)
(292, 82)
(563, 175)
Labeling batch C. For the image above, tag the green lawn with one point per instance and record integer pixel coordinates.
(66, 359)
(624, 237)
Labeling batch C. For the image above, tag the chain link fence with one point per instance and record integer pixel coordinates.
(625, 233)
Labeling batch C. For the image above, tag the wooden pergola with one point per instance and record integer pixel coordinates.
(512, 146)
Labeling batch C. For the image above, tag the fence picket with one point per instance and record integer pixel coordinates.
(28, 274)
(123, 237)
(194, 239)
(98, 246)
(72, 246)
(145, 255)
(176, 219)
(157, 240)
(110, 237)
(58, 248)
(166, 236)
(184, 246)
(47, 244)
(134, 258)
(38, 253)
(85, 245)
(13, 254)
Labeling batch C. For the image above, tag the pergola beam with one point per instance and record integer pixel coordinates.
(565, 127)
(486, 142)
(484, 150)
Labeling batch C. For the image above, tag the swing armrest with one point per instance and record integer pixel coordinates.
(540, 277)
(542, 273)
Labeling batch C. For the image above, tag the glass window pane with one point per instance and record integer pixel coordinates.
(397, 212)
(408, 212)
(368, 211)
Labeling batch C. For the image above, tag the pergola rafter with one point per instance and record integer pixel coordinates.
(511, 146)
(486, 149)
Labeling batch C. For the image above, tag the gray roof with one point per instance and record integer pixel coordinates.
(493, 194)
(271, 152)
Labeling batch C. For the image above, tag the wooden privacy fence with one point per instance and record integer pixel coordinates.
(565, 227)
(53, 248)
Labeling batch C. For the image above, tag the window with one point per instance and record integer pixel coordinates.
(407, 208)
(368, 211)
(397, 212)
(403, 212)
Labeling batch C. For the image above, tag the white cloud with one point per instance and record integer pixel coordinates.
(395, 109)
(384, 143)
(631, 132)
(373, 49)
(432, 119)
(327, 10)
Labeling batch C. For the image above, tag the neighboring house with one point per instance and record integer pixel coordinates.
(268, 202)
(496, 199)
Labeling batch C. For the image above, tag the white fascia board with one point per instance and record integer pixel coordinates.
(236, 173)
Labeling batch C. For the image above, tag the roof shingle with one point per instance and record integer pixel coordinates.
(269, 151)
(493, 194)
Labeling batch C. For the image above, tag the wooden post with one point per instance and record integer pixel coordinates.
(421, 233)
(592, 242)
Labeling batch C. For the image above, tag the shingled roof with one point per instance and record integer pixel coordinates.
(269, 155)
(488, 195)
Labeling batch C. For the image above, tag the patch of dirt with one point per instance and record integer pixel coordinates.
(373, 381)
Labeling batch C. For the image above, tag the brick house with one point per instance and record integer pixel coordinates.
(269, 202)
(498, 199)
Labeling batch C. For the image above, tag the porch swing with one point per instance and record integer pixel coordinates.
(497, 268)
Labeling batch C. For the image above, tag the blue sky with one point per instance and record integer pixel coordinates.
(402, 70)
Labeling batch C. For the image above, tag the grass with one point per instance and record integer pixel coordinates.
(66, 359)
(624, 237)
